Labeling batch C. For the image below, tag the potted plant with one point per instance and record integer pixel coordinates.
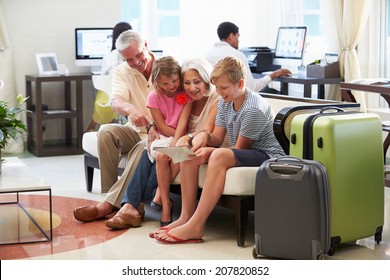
(10, 125)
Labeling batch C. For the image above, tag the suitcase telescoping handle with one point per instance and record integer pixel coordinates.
(286, 167)
(338, 109)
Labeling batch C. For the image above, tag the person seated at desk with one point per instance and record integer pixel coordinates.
(229, 34)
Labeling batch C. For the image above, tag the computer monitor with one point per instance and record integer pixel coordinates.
(290, 45)
(91, 45)
(157, 53)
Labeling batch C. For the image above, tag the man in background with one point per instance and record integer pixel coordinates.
(229, 34)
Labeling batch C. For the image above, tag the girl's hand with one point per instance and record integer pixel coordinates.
(152, 135)
(183, 141)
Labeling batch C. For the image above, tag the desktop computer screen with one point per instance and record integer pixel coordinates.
(91, 45)
(290, 45)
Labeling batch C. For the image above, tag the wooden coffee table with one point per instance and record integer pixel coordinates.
(21, 223)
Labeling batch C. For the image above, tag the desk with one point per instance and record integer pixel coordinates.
(36, 114)
(23, 223)
(307, 83)
(384, 90)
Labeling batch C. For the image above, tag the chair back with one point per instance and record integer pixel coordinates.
(103, 112)
(103, 83)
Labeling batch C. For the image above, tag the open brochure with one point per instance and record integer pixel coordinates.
(177, 154)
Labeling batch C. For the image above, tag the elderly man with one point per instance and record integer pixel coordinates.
(130, 87)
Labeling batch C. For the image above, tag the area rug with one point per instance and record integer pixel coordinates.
(68, 233)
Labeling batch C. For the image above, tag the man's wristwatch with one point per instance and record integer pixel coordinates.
(191, 138)
(149, 126)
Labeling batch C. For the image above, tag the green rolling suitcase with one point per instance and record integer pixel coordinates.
(349, 145)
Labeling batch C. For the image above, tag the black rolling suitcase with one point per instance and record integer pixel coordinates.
(291, 209)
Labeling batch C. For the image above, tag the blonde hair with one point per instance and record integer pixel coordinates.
(203, 67)
(230, 67)
(165, 65)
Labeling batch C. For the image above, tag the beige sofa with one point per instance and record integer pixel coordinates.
(240, 181)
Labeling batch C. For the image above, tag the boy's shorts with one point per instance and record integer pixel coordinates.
(250, 157)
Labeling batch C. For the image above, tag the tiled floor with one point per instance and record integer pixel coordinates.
(65, 174)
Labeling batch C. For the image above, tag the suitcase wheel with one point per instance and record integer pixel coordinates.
(378, 234)
(378, 238)
(254, 254)
(320, 256)
(331, 251)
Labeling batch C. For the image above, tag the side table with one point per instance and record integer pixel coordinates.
(36, 114)
(16, 179)
(307, 83)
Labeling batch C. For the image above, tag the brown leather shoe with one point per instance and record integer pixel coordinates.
(86, 214)
(122, 221)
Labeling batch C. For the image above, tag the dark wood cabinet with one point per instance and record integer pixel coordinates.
(39, 116)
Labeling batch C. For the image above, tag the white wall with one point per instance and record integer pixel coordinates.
(41, 26)
(48, 26)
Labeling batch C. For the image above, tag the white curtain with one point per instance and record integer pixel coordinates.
(351, 19)
(7, 74)
(372, 50)
(345, 21)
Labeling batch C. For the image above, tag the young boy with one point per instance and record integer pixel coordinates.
(248, 120)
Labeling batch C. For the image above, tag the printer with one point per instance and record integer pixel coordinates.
(260, 59)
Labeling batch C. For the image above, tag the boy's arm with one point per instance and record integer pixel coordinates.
(243, 143)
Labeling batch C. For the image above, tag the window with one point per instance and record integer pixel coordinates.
(131, 13)
(169, 26)
(162, 23)
(311, 17)
(168, 12)
(157, 20)
(307, 13)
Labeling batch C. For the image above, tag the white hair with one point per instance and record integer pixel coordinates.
(203, 67)
(126, 38)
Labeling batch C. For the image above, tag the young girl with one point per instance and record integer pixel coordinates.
(248, 120)
(170, 108)
(166, 104)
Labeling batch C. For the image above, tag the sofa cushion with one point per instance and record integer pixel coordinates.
(90, 146)
(89, 143)
(239, 180)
